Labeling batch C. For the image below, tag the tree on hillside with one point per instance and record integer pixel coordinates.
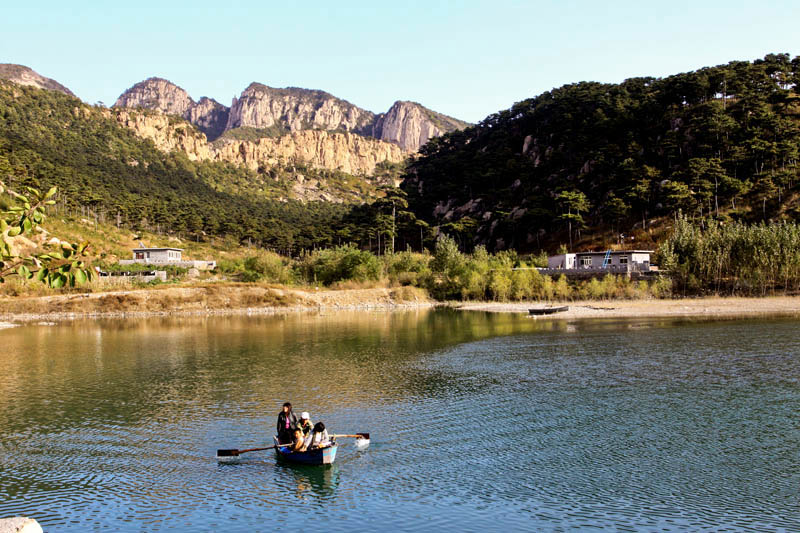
(392, 205)
(617, 209)
(572, 204)
(722, 138)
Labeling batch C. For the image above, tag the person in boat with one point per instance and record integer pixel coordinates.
(319, 437)
(298, 441)
(305, 423)
(287, 421)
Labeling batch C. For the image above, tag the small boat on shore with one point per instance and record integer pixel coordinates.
(548, 310)
(317, 456)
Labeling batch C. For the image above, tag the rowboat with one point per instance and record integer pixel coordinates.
(317, 456)
(548, 310)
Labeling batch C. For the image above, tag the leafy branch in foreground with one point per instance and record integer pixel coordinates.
(21, 215)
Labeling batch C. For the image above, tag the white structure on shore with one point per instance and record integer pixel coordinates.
(165, 257)
(612, 261)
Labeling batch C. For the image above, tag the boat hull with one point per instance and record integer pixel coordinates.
(548, 310)
(322, 456)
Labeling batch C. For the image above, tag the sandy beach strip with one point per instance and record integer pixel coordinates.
(709, 307)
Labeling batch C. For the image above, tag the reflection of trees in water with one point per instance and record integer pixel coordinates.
(124, 371)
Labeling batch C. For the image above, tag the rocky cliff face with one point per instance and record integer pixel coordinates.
(157, 94)
(23, 75)
(162, 95)
(166, 133)
(295, 109)
(407, 124)
(346, 152)
(410, 125)
(210, 116)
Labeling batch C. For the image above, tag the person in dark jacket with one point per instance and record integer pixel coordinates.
(286, 424)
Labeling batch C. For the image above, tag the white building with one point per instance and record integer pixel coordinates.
(157, 255)
(166, 257)
(610, 260)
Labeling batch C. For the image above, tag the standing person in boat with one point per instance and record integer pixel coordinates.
(319, 437)
(305, 423)
(287, 421)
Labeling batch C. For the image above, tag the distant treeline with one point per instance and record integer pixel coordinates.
(721, 140)
(732, 258)
(447, 273)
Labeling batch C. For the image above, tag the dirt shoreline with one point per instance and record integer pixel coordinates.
(710, 307)
(228, 300)
(210, 300)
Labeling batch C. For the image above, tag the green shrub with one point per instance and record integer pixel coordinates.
(343, 263)
(269, 266)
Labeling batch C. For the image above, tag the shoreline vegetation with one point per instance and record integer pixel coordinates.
(229, 300)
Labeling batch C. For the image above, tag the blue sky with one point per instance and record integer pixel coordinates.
(463, 58)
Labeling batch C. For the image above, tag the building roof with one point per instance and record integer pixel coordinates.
(614, 252)
(156, 249)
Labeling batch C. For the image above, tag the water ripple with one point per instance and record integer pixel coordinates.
(477, 423)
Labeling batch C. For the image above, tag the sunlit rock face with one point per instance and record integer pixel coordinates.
(272, 112)
(410, 125)
(295, 109)
(162, 95)
(346, 152)
(22, 75)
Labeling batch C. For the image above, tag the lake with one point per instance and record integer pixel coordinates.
(478, 421)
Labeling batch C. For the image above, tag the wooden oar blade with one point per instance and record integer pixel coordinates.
(362, 442)
(227, 453)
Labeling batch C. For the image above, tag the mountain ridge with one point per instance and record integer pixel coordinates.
(22, 75)
(270, 111)
(289, 109)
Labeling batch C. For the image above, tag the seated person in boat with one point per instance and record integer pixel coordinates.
(318, 437)
(305, 423)
(286, 424)
(299, 441)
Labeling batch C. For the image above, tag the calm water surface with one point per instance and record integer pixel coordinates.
(477, 421)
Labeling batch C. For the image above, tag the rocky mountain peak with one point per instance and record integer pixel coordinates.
(263, 111)
(22, 75)
(162, 95)
(296, 109)
(158, 94)
(410, 125)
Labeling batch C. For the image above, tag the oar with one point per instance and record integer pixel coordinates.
(362, 439)
(235, 453)
(356, 436)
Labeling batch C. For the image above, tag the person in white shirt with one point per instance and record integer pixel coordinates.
(318, 438)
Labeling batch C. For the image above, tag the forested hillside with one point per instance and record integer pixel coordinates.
(719, 141)
(104, 170)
